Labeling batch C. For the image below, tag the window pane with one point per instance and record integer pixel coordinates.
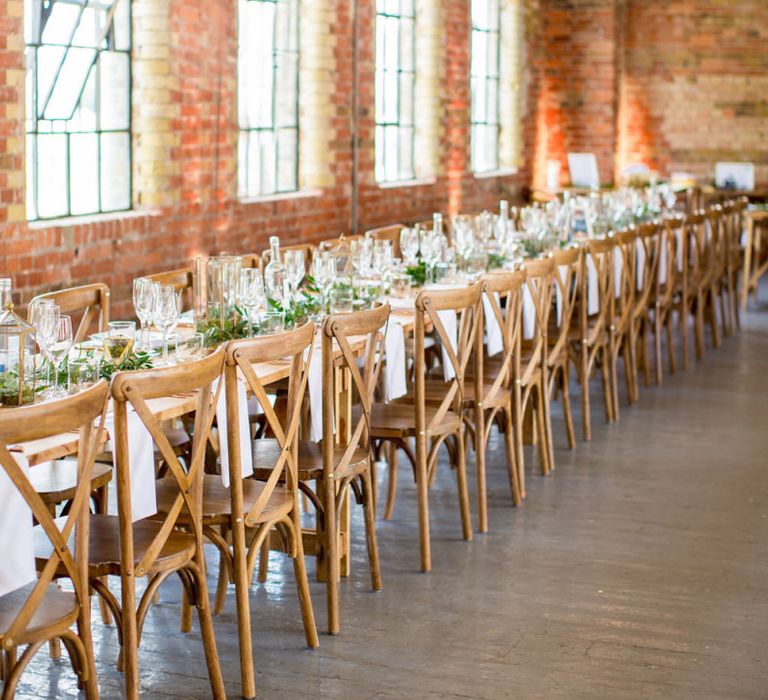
(484, 85)
(394, 86)
(78, 107)
(84, 173)
(268, 108)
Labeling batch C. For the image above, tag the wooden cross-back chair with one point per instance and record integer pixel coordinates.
(619, 324)
(172, 540)
(697, 274)
(649, 241)
(251, 260)
(348, 463)
(489, 395)
(734, 229)
(388, 233)
(566, 273)
(530, 393)
(669, 296)
(307, 248)
(182, 280)
(88, 303)
(40, 611)
(717, 238)
(591, 347)
(428, 424)
(247, 510)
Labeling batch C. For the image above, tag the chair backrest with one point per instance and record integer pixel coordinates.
(89, 303)
(182, 280)
(716, 254)
(503, 294)
(339, 335)
(734, 226)
(243, 358)
(388, 233)
(428, 225)
(695, 249)
(598, 253)
(251, 260)
(134, 390)
(671, 251)
(465, 302)
(75, 413)
(538, 283)
(566, 273)
(307, 248)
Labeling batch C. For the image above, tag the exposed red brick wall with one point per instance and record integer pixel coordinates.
(688, 90)
(695, 84)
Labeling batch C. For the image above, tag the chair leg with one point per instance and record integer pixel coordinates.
(101, 500)
(509, 444)
(657, 324)
(242, 586)
(129, 661)
(422, 487)
(300, 573)
(391, 482)
(186, 612)
(206, 626)
(331, 545)
(370, 530)
(264, 559)
(586, 418)
(698, 328)
(567, 410)
(220, 596)
(547, 407)
(683, 324)
(89, 663)
(461, 480)
(541, 429)
(606, 377)
(480, 454)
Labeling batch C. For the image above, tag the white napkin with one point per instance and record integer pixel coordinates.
(450, 323)
(16, 550)
(563, 272)
(141, 458)
(315, 384)
(679, 235)
(394, 369)
(640, 265)
(529, 314)
(246, 456)
(493, 336)
(593, 294)
(663, 262)
(618, 268)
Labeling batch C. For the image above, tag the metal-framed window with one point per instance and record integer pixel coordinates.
(268, 97)
(395, 79)
(78, 107)
(484, 78)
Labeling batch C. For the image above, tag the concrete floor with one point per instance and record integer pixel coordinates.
(638, 570)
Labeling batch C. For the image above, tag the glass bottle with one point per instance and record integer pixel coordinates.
(275, 277)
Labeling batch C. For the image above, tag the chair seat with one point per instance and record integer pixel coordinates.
(265, 452)
(217, 503)
(104, 546)
(178, 437)
(396, 420)
(56, 481)
(57, 610)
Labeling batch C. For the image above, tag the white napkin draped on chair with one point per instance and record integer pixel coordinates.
(16, 548)
(141, 457)
(394, 354)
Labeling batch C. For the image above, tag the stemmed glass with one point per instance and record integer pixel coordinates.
(361, 252)
(143, 303)
(59, 347)
(409, 245)
(323, 270)
(251, 293)
(43, 316)
(295, 268)
(432, 248)
(165, 313)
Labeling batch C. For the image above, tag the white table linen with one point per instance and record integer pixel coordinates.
(16, 548)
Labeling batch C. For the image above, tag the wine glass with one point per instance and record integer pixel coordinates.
(143, 303)
(409, 245)
(251, 293)
(295, 268)
(323, 270)
(43, 316)
(59, 347)
(361, 252)
(165, 313)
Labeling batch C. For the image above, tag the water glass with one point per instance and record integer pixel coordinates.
(83, 372)
(143, 303)
(400, 285)
(166, 312)
(341, 300)
(190, 348)
(251, 293)
(272, 322)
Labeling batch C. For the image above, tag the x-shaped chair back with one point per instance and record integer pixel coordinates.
(388, 233)
(89, 302)
(538, 281)
(134, 391)
(503, 292)
(670, 271)
(340, 331)
(465, 302)
(566, 273)
(624, 300)
(76, 413)
(695, 250)
(242, 359)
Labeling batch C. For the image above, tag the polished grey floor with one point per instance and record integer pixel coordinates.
(639, 569)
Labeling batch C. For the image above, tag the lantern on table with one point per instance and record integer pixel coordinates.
(17, 353)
